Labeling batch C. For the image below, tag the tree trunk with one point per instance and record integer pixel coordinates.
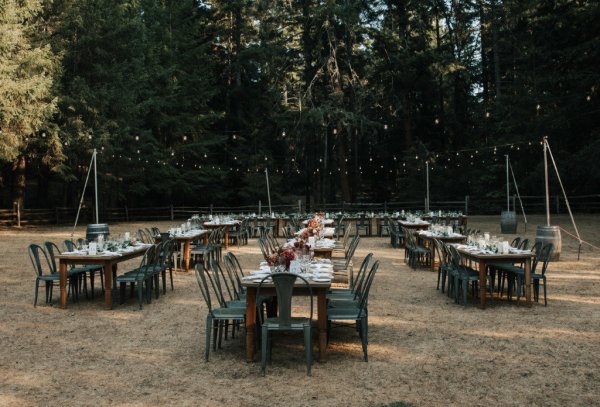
(342, 156)
(495, 49)
(408, 125)
(20, 181)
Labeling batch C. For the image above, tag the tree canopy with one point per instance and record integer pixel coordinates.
(188, 102)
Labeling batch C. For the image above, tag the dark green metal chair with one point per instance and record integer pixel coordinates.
(355, 311)
(167, 262)
(353, 290)
(462, 276)
(140, 276)
(285, 284)
(76, 275)
(538, 272)
(44, 272)
(215, 317)
(91, 269)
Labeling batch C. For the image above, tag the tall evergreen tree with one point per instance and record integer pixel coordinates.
(28, 69)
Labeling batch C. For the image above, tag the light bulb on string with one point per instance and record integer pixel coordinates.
(137, 138)
(588, 98)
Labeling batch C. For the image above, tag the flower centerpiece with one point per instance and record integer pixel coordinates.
(301, 247)
(282, 257)
(314, 226)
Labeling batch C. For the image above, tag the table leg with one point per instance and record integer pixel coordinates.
(250, 322)
(108, 284)
(205, 239)
(226, 238)
(186, 254)
(322, 322)
(432, 254)
(528, 281)
(62, 269)
(482, 283)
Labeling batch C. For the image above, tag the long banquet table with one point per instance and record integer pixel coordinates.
(108, 260)
(319, 289)
(427, 237)
(212, 225)
(186, 239)
(484, 260)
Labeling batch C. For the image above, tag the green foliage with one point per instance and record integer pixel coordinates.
(27, 74)
(189, 102)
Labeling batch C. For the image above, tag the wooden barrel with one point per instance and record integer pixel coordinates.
(550, 234)
(95, 229)
(508, 222)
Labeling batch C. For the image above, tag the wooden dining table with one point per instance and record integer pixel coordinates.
(414, 225)
(227, 225)
(318, 289)
(484, 260)
(186, 239)
(428, 237)
(107, 260)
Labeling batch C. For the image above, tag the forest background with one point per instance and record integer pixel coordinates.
(188, 102)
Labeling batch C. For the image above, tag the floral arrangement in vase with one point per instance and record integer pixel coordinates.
(283, 256)
(301, 246)
(314, 226)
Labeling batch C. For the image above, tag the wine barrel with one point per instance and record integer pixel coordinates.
(508, 222)
(550, 234)
(95, 229)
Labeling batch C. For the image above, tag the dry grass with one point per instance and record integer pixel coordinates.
(424, 349)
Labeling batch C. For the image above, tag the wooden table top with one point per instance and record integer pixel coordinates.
(104, 255)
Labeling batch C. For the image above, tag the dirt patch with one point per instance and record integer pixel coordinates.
(423, 350)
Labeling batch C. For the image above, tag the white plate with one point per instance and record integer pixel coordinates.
(259, 273)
